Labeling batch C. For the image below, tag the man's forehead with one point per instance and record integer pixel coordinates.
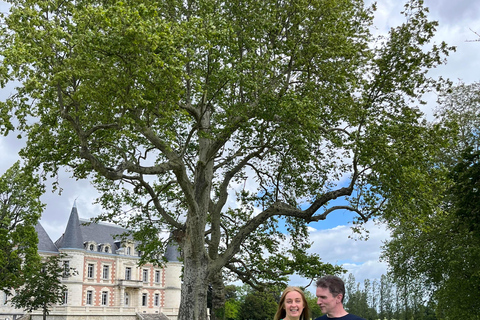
(323, 291)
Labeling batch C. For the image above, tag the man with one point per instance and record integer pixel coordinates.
(330, 293)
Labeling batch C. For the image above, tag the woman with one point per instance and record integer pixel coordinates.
(293, 305)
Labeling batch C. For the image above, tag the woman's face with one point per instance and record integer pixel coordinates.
(293, 305)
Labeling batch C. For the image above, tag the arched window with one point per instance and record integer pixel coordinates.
(91, 247)
(106, 249)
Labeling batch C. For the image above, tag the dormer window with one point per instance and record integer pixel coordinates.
(90, 245)
(104, 247)
(128, 247)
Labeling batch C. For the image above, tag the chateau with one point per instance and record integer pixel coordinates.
(109, 283)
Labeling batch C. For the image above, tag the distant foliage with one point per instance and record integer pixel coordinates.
(20, 209)
(435, 252)
(374, 299)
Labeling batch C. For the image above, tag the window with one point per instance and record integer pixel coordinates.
(157, 276)
(145, 275)
(65, 297)
(104, 298)
(106, 249)
(90, 270)
(144, 300)
(91, 247)
(128, 273)
(127, 299)
(156, 300)
(129, 251)
(105, 273)
(66, 268)
(89, 297)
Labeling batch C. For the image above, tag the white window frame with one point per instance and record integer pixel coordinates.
(105, 272)
(90, 270)
(66, 268)
(144, 299)
(65, 297)
(156, 300)
(128, 273)
(145, 275)
(157, 276)
(104, 298)
(89, 298)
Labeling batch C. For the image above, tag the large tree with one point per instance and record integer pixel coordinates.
(224, 120)
(20, 209)
(438, 252)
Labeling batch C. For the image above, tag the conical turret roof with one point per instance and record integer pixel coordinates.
(44, 241)
(72, 238)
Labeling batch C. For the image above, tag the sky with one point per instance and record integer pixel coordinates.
(330, 238)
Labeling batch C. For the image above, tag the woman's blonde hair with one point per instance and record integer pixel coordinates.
(282, 313)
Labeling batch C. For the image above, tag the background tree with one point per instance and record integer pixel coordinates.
(357, 301)
(43, 287)
(20, 209)
(440, 248)
(315, 310)
(259, 305)
(232, 303)
(219, 118)
(386, 298)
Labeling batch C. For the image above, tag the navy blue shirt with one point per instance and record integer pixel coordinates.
(345, 317)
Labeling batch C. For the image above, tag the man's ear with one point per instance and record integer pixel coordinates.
(338, 298)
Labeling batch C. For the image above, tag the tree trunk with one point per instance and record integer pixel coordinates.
(193, 303)
(218, 297)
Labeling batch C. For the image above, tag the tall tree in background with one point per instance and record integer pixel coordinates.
(20, 209)
(440, 249)
(386, 299)
(225, 121)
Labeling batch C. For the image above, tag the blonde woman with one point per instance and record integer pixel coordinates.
(293, 305)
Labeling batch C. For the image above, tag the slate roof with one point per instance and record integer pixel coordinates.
(44, 241)
(78, 231)
(72, 238)
(172, 253)
(101, 233)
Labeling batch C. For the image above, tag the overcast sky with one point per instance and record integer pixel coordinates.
(331, 238)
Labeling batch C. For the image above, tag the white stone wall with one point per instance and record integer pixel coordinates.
(173, 273)
(75, 282)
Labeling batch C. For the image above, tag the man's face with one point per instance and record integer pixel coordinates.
(326, 301)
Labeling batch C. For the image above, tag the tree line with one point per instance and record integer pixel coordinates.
(373, 299)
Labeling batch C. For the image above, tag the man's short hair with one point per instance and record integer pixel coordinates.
(334, 284)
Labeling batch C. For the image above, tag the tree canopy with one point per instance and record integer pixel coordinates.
(441, 249)
(44, 288)
(20, 209)
(224, 121)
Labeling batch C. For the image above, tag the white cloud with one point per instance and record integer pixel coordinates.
(337, 246)
(359, 257)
